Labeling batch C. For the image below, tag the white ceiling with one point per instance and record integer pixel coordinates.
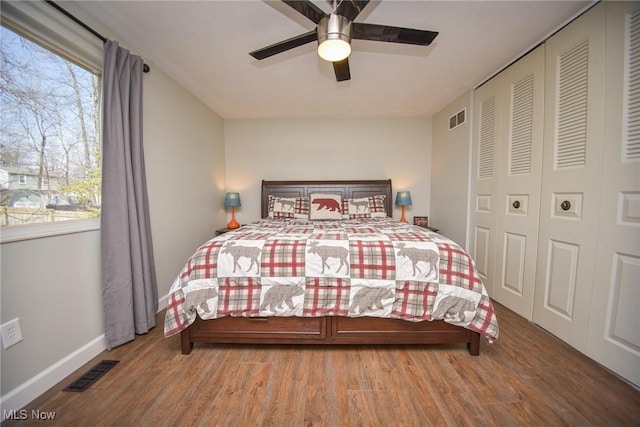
(205, 45)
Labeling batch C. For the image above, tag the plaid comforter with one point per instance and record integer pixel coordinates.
(357, 267)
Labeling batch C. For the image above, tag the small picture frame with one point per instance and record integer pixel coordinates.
(422, 221)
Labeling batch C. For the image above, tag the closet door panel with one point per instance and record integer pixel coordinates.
(613, 335)
(486, 137)
(513, 261)
(560, 282)
(570, 199)
(519, 182)
(482, 250)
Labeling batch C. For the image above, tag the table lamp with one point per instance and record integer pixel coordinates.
(232, 200)
(403, 198)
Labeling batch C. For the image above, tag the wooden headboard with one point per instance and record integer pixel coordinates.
(347, 189)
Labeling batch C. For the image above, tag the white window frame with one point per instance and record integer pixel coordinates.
(47, 26)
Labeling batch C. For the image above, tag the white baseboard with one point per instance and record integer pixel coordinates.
(163, 302)
(34, 387)
(25, 393)
(22, 395)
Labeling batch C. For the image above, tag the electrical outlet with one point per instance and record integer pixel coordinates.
(11, 333)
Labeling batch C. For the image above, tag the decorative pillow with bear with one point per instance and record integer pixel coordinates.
(288, 207)
(325, 206)
(364, 207)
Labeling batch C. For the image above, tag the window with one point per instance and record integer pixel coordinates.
(50, 169)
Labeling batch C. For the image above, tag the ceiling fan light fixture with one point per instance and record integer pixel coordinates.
(334, 38)
(334, 50)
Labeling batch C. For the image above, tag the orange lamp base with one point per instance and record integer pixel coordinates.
(403, 219)
(233, 224)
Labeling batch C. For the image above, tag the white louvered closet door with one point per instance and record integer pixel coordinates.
(572, 158)
(487, 123)
(519, 182)
(614, 330)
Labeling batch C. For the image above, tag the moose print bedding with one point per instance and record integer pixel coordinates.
(376, 267)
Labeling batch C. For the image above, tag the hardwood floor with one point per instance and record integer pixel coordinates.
(527, 378)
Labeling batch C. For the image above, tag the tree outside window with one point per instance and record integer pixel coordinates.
(49, 135)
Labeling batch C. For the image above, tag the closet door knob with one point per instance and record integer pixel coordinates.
(516, 204)
(566, 205)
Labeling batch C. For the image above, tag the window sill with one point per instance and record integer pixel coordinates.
(19, 233)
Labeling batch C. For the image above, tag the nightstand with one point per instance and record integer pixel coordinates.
(435, 230)
(223, 230)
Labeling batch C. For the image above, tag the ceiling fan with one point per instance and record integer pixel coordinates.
(335, 31)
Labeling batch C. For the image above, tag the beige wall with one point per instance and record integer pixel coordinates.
(184, 154)
(450, 172)
(53, 284)
(328, 148)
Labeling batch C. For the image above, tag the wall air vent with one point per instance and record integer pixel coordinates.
(457, 119)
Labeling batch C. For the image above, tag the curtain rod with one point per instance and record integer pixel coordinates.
(145, 67)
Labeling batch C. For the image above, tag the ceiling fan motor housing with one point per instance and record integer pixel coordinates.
(334, 29)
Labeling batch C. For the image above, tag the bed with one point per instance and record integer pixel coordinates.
(326, 264)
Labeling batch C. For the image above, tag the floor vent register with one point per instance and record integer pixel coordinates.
(91, 376)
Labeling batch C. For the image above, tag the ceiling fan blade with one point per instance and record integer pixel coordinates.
(285, 45)
(308, 9)
(351, 8)
(384, 33)
(341, 69)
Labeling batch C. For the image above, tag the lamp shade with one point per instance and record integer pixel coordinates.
(403, 198)
(232, 200)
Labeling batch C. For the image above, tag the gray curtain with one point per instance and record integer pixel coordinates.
(129, 290)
